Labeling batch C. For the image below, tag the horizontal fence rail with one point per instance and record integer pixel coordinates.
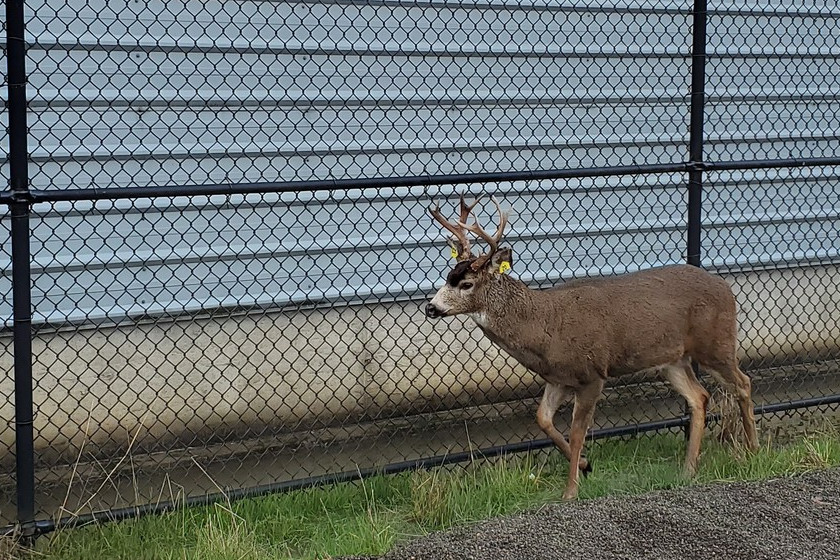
(217, 242)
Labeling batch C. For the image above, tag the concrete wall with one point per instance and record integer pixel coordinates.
(204, 381)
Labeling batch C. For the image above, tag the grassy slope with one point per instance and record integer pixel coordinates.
(369, 517)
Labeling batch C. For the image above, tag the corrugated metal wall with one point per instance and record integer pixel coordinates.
(772, 92)
(129, 93)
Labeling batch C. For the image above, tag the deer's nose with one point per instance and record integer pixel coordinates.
(432, 311)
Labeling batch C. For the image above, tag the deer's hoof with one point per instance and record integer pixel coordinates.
(570, 495)
(586, 468)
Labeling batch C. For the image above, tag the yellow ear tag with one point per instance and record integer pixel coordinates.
(504, 267)
(454, 252)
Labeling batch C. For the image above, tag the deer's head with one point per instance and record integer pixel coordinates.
(466, 284)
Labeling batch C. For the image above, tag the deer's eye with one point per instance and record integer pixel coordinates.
(466, 285)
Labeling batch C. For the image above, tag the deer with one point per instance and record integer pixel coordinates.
(657, 322)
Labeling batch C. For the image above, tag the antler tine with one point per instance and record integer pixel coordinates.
(456, 228)
(502, 220)
(492, 241)
(466, 210)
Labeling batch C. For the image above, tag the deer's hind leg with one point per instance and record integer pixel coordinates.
(682, 379)
(735, 382)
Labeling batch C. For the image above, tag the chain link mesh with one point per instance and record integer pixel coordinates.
(7, 384)
(187, 345)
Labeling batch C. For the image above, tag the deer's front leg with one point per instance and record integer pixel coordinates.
(552, 397)
(586, 398)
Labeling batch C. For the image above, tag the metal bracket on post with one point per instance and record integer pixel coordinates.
(19, 203)
(695, 147)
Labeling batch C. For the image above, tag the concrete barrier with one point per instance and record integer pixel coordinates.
(206, 381)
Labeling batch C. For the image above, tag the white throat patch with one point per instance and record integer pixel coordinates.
(479, 318)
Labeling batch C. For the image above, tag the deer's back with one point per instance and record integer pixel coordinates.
(627, 323)
(675, 283)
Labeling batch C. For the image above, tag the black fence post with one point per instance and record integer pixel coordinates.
(695, 141)
(695, 147)
(21, 279)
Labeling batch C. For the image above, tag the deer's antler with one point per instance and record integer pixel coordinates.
(492, 241)
(457, 229)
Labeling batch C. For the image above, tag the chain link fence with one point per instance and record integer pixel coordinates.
(226, 209)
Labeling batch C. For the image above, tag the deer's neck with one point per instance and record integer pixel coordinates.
(514, 319)
(508, 302)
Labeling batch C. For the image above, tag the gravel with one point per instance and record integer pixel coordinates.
(796, 517)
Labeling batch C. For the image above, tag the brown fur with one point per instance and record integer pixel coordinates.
(578, 334)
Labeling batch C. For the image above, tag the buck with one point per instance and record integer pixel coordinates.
(578, 334)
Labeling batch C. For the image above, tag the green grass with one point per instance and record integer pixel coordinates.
(369, 517)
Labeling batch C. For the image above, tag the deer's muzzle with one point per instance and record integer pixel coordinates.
(433, 312)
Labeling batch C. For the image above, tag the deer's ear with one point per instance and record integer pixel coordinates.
(456, 250)
(502, 260)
